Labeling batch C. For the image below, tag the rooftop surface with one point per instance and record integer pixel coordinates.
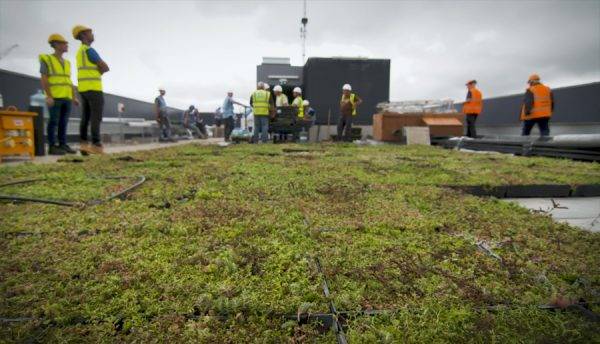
(221, 243)
(582, 212)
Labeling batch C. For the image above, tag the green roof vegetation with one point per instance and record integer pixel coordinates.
(220, 244)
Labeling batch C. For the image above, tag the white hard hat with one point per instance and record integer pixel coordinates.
(347, 87)
(161, 88)
(261, 84)
(267, 86)
(306, 103)
(297, 90)
(277, 89)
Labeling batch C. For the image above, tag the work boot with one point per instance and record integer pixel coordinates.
(96, 148)
(84, 148)
(55, 150)
(67, 149)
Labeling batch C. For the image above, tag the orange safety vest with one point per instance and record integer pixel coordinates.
(542, 103)
(474, 105)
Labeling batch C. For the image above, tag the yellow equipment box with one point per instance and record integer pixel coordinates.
(16, 133)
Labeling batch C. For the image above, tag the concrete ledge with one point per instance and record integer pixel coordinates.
(586, 190)
(522, 191)
(530, 191)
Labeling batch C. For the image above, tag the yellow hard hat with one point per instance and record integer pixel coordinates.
(534, 77)
(79, 29)
(55, 37)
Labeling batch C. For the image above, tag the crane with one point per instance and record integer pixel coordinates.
(303, 22)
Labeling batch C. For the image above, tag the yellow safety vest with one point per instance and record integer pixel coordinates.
(298, 102)
(59, 76)
(89, 77)
(260, 102)
(352, 96)
(281, 100)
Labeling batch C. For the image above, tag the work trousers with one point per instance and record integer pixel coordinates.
(228, 124)
(261, 125)
(59, 116)
(542, 123)
(304, 126)
(195, 129)
(344, 128)
(164, 126)
(93, 105)
(471, 118)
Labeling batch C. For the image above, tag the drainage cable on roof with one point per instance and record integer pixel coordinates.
(15, 198)
(339, 331)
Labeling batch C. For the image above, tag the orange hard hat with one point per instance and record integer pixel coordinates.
(79, 29)
(55, 37)
(534, 77)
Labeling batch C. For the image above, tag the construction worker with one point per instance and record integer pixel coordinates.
(90, 68)
(60, 93)
(227, 114)
(193, 124)
(298, 101)
(262, 104)
(307, 119)
(162, 116)
(267, 87)
(280, 98)
(348, 105)
(538, 106)
(472, 106)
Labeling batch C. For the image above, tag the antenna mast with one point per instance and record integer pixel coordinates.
(303, 21)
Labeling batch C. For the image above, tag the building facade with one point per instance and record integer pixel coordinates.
(16, 88)
(321, 80)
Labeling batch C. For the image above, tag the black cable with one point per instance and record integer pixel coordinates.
(22, 182)
(339, 331)
(39, 200)
(120, 194)
(141, 180)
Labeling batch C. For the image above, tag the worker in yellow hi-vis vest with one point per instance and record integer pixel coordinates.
(60, 93)
(262, 105)
(348, 105)
(280, 98)
(90, 68)
(298, 102)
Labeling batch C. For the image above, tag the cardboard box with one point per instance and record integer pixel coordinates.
(387, 126)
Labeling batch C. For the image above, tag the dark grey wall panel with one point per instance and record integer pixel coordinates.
(324, 78)
(17, 88)
(263, 72)
(208, 117)
(574, 104)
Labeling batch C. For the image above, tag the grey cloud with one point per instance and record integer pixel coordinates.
(202, 49)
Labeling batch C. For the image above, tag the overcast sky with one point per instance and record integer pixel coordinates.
(199, 50)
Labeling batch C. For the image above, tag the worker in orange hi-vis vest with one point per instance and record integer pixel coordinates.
(472, 107)
(537, 108)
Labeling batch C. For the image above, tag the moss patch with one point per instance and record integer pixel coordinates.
(219, 242)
